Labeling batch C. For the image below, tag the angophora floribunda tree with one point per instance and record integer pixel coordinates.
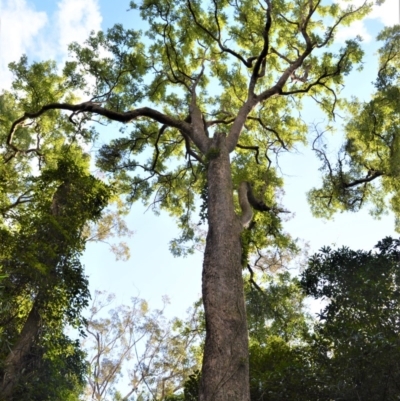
(206, 97)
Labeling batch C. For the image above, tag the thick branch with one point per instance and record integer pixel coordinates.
(197, 134)
(247, 211)
(248, 202)
(220, 121)
(189, 150)
(370, 177)
(238, 124)
(124, 117)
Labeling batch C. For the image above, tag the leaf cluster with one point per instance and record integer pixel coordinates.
(367, 167)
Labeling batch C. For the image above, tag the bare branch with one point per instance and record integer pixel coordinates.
(157, 150)
(255, 148)
(252, 279)
(259, 67)
(329, 34)
(215, 38)
(259, 120)
(23, 198)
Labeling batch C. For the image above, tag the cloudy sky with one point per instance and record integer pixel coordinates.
(42, 29)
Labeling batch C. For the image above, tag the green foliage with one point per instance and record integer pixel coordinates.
(279, 333)
(278, 310)
(43, 209)
(367, 168)
(251, 91)
(186, 46)
(279, 371)
(278, 55)
(55, 369)
(40, 255)
(245, 239)
(117, 62)
(356, 344)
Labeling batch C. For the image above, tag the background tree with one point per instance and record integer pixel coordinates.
(156, 355)
(46, 200)
(279, 332)
(350, 352)
(259, 59)
(356, 345)
(367, 167)
(46, 287)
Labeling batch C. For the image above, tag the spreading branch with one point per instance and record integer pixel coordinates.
(199, 138)
(217, 38)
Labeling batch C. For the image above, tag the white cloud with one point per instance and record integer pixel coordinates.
(25, 30)
(387, 14)
(357, 28)
(75, 19)
(20, 24)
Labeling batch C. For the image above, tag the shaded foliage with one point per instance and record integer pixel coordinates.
(356, 344)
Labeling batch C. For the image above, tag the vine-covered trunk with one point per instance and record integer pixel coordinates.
(15, 359)
(225, 372)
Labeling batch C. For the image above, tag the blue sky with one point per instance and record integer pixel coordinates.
(43, 28)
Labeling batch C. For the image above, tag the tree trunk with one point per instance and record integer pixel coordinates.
(225, 372)
(15, 359)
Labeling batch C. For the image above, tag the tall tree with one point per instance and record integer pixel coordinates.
(41, 260)
(46, 201)
(156, 355)
(211, 96)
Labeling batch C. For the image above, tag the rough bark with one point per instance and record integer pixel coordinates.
(15, 359)
(225, 372)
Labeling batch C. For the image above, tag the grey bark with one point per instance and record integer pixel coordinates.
(225, 371)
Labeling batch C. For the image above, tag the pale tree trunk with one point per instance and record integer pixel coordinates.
(225, 371)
